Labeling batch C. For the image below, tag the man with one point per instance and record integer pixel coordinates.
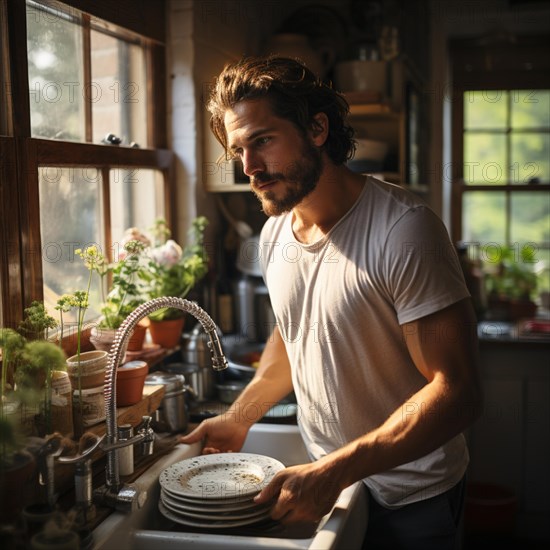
(375, 330)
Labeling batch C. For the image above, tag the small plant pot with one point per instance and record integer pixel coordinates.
(130, 380)
(135, 342)
(103, 338)
(93, 408)
(167, 334)
(92, 369)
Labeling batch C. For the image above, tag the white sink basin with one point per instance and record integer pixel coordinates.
(147, 529)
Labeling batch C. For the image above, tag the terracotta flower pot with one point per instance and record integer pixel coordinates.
(135, 342)
(92, 369)
(130, 379)
(167, 333)
(102, 339)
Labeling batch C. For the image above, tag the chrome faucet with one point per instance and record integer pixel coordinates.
(127, 498)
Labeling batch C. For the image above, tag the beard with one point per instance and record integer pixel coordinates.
(301, 179)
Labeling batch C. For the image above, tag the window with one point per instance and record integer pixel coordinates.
(501, 152)
(74, 78)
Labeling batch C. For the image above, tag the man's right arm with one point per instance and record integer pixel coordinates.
(272, 382)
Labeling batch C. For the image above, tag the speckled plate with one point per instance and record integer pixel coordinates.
(220, 476)
(195, 505)
(214, 515)
(210, 524)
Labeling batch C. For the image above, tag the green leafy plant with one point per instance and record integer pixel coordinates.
(124, 294)
(173, 271)
(512, 275)
(12, 345)
(33, 377)
(36, 322)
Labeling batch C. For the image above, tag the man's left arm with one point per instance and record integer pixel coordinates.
(444, 348)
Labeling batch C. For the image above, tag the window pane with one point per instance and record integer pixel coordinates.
(485, 159)
(530, 108)
(530, 160)
(484, 217)
(69, 219)
(56, 91)
(119, 82)
(485, 109)
(137, 199)
(530, 217)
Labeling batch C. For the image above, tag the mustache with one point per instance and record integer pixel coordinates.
(265, 177)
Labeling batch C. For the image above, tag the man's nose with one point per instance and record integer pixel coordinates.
(252, 163)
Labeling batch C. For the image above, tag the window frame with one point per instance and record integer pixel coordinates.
(21, 279)
(521, 60)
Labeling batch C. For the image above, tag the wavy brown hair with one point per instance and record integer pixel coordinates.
(295, 94)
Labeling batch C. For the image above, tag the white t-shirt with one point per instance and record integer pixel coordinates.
(339, 305)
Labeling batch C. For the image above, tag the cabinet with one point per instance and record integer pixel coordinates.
(510, 443)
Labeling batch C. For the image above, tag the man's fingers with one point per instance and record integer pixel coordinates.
(196, 435)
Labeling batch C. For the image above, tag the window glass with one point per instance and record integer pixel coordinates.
(486, 109)
(119, 106)
(56, 84)
(70, 202)
(485, 159)
(530, 157)
(137, 199)
(484, 217)
(530, 217)
(530, 109)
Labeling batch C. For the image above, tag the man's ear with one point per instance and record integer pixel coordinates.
(319, 129)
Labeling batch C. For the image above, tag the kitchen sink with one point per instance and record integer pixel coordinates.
(148, 529)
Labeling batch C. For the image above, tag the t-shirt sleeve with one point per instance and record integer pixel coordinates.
(422, 272)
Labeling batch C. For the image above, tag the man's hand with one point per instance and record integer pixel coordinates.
(221, 434)
(303, 493)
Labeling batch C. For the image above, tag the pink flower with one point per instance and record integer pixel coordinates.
(168, 254)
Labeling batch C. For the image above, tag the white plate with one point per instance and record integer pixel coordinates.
(215, 516)
(207, 505)
(220, 476)
(209, 524)
(229, 500)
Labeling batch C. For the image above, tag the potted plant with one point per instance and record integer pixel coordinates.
(173, 272)
(124, 295)
(41, 364)
(36, 322)
(511, 283)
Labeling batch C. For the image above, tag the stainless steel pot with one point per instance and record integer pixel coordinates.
(173, 414)
(202, 380)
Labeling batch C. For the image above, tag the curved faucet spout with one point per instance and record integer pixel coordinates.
(219, 362)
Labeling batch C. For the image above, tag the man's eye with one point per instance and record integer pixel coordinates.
(263, 140)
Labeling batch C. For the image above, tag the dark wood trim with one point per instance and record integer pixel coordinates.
(10, 243)
(67, 153)
(29, 208)
(19, 75)
(106, 208)
(517, 187)
(144, 17)
(156, 90)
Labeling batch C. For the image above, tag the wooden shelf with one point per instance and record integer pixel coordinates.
(150, 402)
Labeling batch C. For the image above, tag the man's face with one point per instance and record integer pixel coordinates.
(283, 165)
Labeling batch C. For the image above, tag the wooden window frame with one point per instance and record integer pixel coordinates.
(21, 279)
(485, 63)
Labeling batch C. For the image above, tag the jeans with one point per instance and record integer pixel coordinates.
(431, 524)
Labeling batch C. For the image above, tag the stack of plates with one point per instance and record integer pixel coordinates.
(217, 490)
